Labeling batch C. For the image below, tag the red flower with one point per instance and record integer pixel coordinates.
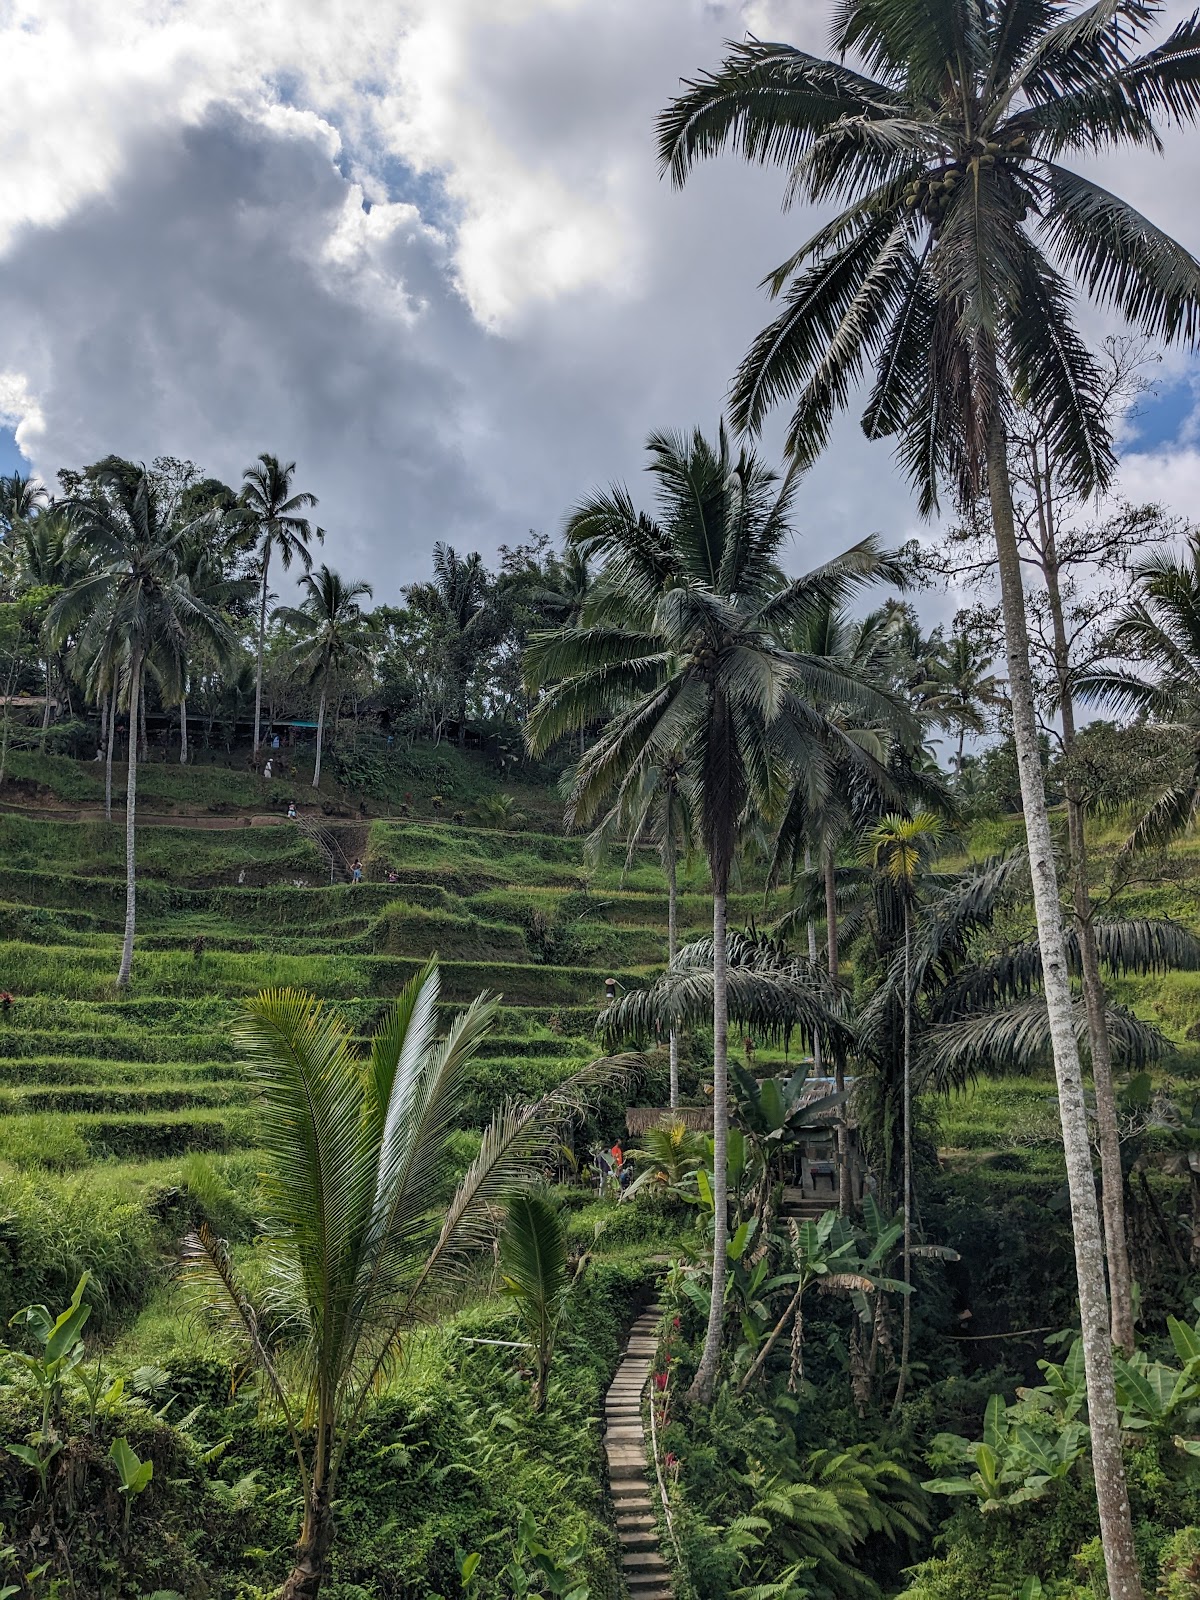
(660, 1381)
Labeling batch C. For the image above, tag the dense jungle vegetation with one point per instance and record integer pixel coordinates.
(347, 941)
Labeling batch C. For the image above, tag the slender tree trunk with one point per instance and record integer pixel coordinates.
(114, 702)
(183, 744)
(135, 684)
(141, 720)
(316, 783)
(262, 644)
(312, 1549)
(845, 1191)
(672, 951)
(1112, 1177)
(906, 1309)
(104, 730)
(14, 672)
(706, 1373)
(45, 712)
(1116, 1526)
(962, 739)
(812, 956)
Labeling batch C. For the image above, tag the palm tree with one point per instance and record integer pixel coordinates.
(358, 1256)
(332, 639)
(131, 602)
(660, 804)
(948, 271)
(537, 1278)
(898, 847)
(273, 509)
(962, 689)
(679, 651)
(21, 499)
(459, 603)
(1158, 629)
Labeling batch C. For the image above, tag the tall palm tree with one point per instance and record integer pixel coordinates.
(660, 805)
(679, 651)
(458, 601)
(948, 272)
(332, 639)
(898, 847)
(963, 689)
(358, 1256)
(272, 507)
(131, 602)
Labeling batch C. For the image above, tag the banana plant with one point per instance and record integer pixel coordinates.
(1014, 1462)
(134, 1475)
(61, 1342)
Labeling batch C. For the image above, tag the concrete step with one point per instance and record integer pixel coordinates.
(644, 1561)
(640, 1539)
(635, 1522)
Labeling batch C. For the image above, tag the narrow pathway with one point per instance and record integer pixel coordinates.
(646, 1574)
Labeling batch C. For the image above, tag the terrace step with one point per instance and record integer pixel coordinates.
(646, 1574)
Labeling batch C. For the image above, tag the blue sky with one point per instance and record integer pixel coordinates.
(11, 459)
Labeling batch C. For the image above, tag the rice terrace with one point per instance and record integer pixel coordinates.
(657, 1059)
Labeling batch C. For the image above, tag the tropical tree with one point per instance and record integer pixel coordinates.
(536, 1275)
(679, 650)
(948, 271)
(273, 509)
(963, 689)
(357, 1254)
(459, 605)
(332, 637)
(898, 847)
(132, 601)
(659, 806)
(21, 499)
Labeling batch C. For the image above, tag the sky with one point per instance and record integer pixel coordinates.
(420, 247)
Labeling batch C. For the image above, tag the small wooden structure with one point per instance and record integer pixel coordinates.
(815, 1153)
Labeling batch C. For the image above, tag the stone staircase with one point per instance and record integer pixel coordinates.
(646, 1574)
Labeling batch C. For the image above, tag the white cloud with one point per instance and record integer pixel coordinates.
(423, 247)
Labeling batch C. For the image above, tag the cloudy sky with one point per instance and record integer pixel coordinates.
(419, 246)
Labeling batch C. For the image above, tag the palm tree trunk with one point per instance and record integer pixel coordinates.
(104, 734)
(113, 703)
(45, 712)
(312, 1549)
(262, 644)
(9, 687)
(906, 1310)
(812, 956)
(316, 783)
(706, 1373)
(141, 721)
(135, 677)
(845, 1191)
(1112, 1177)
(1116, 1527)
(672, 951)
(183, 744)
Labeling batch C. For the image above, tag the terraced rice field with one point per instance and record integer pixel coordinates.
(118, 1110)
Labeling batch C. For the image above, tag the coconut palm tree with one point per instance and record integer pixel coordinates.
(898, 847)
(272, 508)
(132, 601)
(679, 651)
(660, 806)
(21, 500)
(1158, 630)
(948, 272)
(962, 689)
(332, 639)
(358, 1256)
(460, 604)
